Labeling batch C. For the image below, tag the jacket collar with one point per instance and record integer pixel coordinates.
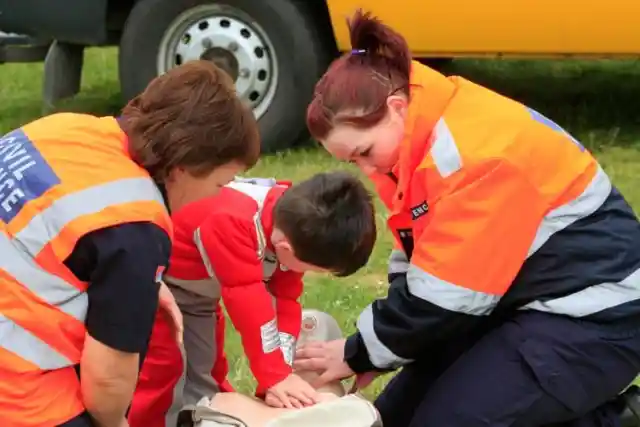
(266, 216)
(431, 92)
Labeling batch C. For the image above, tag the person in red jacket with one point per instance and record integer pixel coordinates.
(249, 246)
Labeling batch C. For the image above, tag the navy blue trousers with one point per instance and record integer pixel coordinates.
(534, 369)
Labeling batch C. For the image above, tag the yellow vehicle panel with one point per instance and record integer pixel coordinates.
(504, 27)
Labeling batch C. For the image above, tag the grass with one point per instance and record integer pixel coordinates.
(595, 100)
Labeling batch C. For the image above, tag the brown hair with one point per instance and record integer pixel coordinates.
(356, 86)
(191, 118)
(329, 220)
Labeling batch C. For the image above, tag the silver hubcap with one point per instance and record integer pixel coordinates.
(231, 39)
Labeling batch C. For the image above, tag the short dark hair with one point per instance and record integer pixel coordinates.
(192, 118)
(329, 220)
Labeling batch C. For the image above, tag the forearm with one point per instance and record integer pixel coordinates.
(287, 288)
(108, 380)
(289, 314)
(251, 311)
(394, 331)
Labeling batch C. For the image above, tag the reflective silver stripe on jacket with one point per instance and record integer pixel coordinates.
(593, 299)
(582, 206)
(17, 340)
(18, 261)
(46, 226)
(447, 295)
(444, 150)
(398, 262)
(379, 354)
(197, 240)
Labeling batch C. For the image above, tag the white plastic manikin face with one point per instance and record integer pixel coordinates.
(375, 149)
(184, 188)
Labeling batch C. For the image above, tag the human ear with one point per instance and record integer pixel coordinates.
(398, 104)
(173, 175)
(283, 245)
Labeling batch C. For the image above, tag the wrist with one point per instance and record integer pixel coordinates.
(107, 394)
(107, 405)
(356, 355)
(267, 382)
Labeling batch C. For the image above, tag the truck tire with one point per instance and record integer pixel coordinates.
(273, 49)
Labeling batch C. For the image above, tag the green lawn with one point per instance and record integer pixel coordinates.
(597, 101)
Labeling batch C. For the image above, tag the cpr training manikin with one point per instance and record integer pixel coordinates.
(338, 408)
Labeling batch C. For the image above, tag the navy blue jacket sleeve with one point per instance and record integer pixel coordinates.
(121, 263)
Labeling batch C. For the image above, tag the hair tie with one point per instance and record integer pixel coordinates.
(358, 51)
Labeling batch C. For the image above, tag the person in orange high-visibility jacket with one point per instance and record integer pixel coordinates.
(86, 237)
(514, 292)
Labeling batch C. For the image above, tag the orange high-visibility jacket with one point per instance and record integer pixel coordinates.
(61, 177)
(494, 208)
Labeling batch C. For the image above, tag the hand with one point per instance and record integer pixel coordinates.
(169, 306)
(326, 357)
(292, 392)
(124, 423)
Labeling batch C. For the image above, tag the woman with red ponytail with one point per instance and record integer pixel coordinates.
(516, 262)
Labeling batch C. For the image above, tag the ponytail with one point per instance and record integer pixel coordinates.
(372, 39)
(356, 86)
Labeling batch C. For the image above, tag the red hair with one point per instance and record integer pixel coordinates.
(355, 88)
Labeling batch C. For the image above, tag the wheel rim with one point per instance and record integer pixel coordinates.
(231, 39)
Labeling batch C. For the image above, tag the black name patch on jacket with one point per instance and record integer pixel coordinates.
(420, 210)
